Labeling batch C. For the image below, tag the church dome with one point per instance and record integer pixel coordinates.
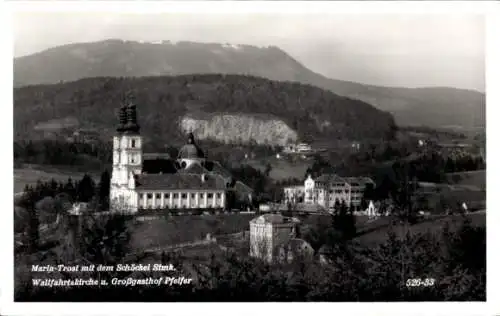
(190, 150)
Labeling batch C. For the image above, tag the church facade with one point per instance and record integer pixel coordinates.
(142, 181)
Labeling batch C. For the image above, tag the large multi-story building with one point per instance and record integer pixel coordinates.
(153, 181)
(269, 232)
(328, 189)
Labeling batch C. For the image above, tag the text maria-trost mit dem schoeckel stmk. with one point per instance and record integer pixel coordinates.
(118, 268)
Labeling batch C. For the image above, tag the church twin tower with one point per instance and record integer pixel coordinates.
(127, 157)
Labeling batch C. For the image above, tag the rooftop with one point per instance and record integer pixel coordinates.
(180, 181)
(243, 188)
(193, 169)
(158, 166)
(147, 156)
(333, 178)
(296, 186)
(329, 178)
(274, 219)
(216, 167)
(209, 167)
(358, 180)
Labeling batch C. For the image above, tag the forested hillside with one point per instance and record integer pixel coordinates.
(45, 110)
(434, 107)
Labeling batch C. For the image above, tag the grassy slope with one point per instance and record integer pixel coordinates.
(180, 229)
(280, 168)
(173, 230)
(474, 178)
(377, 231)
(32, 173)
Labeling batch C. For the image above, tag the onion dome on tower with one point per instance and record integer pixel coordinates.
(131, 125)
(191, 150)
(122, 117)
(190, 153)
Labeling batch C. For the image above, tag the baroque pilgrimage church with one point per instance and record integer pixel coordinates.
(156, 181)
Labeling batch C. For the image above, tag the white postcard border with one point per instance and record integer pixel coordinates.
(491, 9)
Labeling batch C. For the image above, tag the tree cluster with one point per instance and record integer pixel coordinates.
(89, 156)
(38, 204)
(264, 188)
(455, 261)
(84, 190)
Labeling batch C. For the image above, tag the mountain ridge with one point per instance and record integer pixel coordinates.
(430, 106)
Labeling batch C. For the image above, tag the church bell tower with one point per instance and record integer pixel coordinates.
(127, 157)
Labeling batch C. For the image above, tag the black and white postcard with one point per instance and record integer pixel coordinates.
(248, 152)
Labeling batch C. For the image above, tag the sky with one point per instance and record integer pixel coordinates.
(407, 50)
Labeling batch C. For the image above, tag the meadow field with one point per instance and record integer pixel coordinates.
(282, 169)
(377, 231)
(471, 178)
(30, 174)
(179, 229)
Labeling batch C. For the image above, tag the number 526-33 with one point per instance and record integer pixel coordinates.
(420, 282)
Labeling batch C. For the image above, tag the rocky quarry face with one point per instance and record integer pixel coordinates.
(231, 128)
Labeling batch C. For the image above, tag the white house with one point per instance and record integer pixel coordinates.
(328, 189)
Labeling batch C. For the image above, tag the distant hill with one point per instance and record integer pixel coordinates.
(228, 108)
(435, 107)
